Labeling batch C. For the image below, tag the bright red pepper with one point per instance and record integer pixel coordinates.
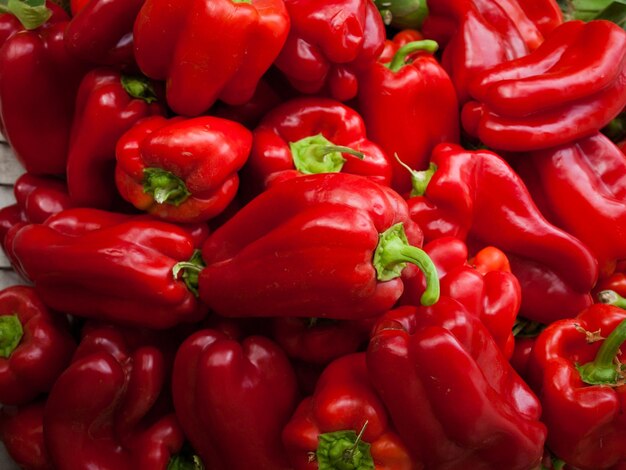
(85, 262)
(36, 345)
(108, 104)
(344, 424)
(409, 105)
(181, 170)
(109, 409)
(570, 87)
(451, 394)
(545, 14)
(312, 135)
(209, 51)
(21, 432)
(575, 369)
(233, 400)
(329, 43)
(476, 196)
(329, 245)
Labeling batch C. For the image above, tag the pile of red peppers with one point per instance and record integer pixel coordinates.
(303, 234)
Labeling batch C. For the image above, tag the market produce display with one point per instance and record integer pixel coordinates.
(303, 234)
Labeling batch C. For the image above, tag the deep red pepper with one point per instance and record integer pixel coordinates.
(181, 170)
(35, 347)
(570, 87)
(335, 249)
(545, 14)
(312, 135)
(329, 43)
(107, 105)
(209, 51)
(21, 432)
(344, 424)
(525, 333)
(233, 399)
(451, 394)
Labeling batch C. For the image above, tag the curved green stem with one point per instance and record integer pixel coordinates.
(611, 297)
(317, 154)
(139, 87)
(11, 333)
(344, 450)
(603, 369)
(32, 13)
(164, 186)
(419, 179)
(190, 271)
(399, 59)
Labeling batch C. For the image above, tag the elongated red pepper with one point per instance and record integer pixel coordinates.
(409, 106)
(21, 432)
(181, 170)
(233, 400)
(344, 424)
(335, 249)
(575, 369)
(312, 135)
(329, 43)
(489, 205)
(85, 262)
(107, 410)
(209, 52)
(107, 105)
(569, 88)
(451, 394)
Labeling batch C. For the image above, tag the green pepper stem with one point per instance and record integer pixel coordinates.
(399, 59)
(317, 154)
(603, 370)
(185, 462)
(164, 186)
(139, 87)
(11, 333)
(31, 14)
(611, 297)
(344, 450)
(190, 271)
(419, 179)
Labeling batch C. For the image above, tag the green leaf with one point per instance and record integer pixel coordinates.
(31, 13)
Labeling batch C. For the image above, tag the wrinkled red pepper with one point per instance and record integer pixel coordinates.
(181, 170)
(476, 196)
(329, 43)
(312, 135)
(110, 266)
(209, 51)
(344, 424)
(409, 105)
(107, 105)
(451, 394)
(21, 432)
(570, 87)
(35, 346)
(335, 249)
(233, 400)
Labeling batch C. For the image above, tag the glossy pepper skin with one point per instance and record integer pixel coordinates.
(476, 196)
(585, 424)
(109, 409)
(108, 104)
(306, 136)
(328, 423)
(451, 394)
(101, 32)
(551, 96)
(318, 256)
(209, 51)
(87, 262)
(329, 43)
(409, 105)
(36, 346)
(21, 432)
(181, 170)
(233, 399)
(488, 291)
(583, 187)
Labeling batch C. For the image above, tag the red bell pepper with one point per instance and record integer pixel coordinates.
(329, 44)
(21, 432)
(409, 105)
(209, 51)
(545, 14)
(233, 400)
(109, 409)
(101, 32)
(36, 346)
(576, 370)
(181, 170)
(476, 196)
(451, 394)
(569, 88)
(107, 105)
(525, 333)
(493, 295)
(87, 263)
(329, 245)
(312, 135)
(344, 424)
